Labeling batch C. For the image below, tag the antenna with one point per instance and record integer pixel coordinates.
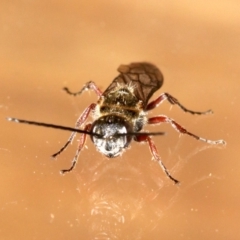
(49, 125)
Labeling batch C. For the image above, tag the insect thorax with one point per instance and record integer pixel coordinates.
(123, 103)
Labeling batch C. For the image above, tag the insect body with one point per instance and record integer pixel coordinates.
(121, 108)
(121, 113)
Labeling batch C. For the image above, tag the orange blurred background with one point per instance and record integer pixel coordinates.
(47, 45)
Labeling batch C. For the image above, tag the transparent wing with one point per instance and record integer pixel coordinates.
(145, 78)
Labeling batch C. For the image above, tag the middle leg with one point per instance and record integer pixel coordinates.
(179, 128)
(80, 147)
(154, 152)
(78, 124)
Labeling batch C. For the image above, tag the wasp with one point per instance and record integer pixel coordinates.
(121, 113)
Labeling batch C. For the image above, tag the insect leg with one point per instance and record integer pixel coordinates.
(179, 128)
(89, 85)
(173, 101)
(80, 147)
(78, 124)
(155, 154)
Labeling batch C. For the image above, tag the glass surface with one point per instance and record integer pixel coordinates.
(47, 45)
